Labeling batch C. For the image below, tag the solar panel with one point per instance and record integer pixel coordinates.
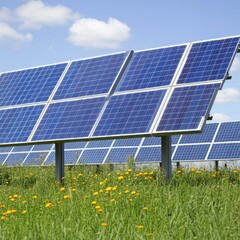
(99, 144)
(16, 124)
(3, 157)
(127, 142)
(5, 149)
(129, 113)
(191, 152)
(225, 151)
(50, 160)
(149, 154)
(228, 131)
(186, 107)
(74, 145)
(41, 147)
(73, 119)
(148, 141)
(30, 85)
(15, 159)
(151, 68)
(71, 157)
(207, 135)
(22, 148)
(209, 60)
(92, 156)
(35, 159)
(120, 155)
(90, 76)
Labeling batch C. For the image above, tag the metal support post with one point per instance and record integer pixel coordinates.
(216, 166)
(178, 165)
(166, 156)
(59, 160)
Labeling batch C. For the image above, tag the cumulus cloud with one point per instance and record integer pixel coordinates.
(10, 35)
(228, 95)
(219, 117)
(92, 33)
(235, 65)
(5, 14)
(35, 14)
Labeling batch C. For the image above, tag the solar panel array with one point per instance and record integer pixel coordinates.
(219, 141)
(138, 93)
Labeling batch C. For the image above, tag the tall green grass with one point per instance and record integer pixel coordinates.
(118, 205)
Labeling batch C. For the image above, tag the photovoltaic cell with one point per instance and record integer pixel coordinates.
(50, 160)
(35, 159)
(186, 107)
(208, 60)
(41, 147)
(151, 141)
(93, 156)
(28, 86)
(22, 148)
(149, 154)
(16, 124)
(225, 151)
(74, 145)
(207, 135)
(152, 68)
(73, 119)
(15, 159)
(127, 142)
(3, 157)
(191, 152)
(99, 144)
(71, 157)
(90, 76)
(5, 149)
(130, 113)
(228, 131)
(120, 155)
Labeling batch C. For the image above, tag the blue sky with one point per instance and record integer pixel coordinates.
(40, 32)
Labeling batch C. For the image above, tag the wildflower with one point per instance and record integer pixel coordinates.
(150, 234)
(73, 189)
(127, 191)
(114, 188)
(12, 199)
(101, 191)
(62, 189)
(24, 212)
(112, 200)
(192, 169)
(97, 207)
(85, 197)
(235, 171)
(139, 226)
(66, 196)
(129, 170)
(133, 192)
(94, 202)
(130, 200)
(104, 224)
(34, 197)
(49, 205)
(145, 208)
(15, 196)
(108, 189)
(24, 202)
(2, 206)
(95, 193)
(100, 210)
(3, 217)
(120, 178)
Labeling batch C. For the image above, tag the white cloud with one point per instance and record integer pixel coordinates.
(228, 95)
(11, 36)
(35, 14)
(92, 33)
(219, 117)
(5, 14)
(235, 65)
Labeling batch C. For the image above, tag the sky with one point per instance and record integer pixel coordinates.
(40, 32)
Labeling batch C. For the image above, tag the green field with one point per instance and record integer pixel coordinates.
(122, 204)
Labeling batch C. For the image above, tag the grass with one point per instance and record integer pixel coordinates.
(119, 205)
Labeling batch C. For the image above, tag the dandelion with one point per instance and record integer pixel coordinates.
(94, 202)
(73, 189)
(129, 170)
(97, 207)
(62, 189)
(2, 206)
(145, 208)
(85, 197)
(12, 199)
(150, 234)
(112, 200)
(127, 191)
(108, 189)
(130, 200)
(95, 193)
(120, 178)
(100, 210)
(3, 217)
(34, 197)
(15, 196)
(139, 226)
(104, 224)
(133, 192)
(66, 196)
(24, 212)
(49, 205)
(114, 188)
(24, 202)
(192, 169)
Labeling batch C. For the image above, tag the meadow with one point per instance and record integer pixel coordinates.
(120, 204)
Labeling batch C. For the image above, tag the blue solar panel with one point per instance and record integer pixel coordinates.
(152, 141)
(149, 154)
(191, 152)
(31, 85)
(74, 145)
(35, 159)
(186, 107)
(207, 135)
(130, 113)
(225, 151)
(99, 144)
(175, 139)
(71, 157)
(127, 142)
(22, 148)
(41, 147)
(228, 131)
(92, 156)
(15, 159)
(73, 119)
(208, 60)
(91, 76)
(120, 155)
(50, 159)
(5, 149)
(16, 124)
(3, 157)
(151, 68)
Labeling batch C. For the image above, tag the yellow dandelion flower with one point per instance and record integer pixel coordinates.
(62, 189)
(129, 170)
(3, 217)
(127, 191)
(49, 205)
(66, 196)
(94, 202)
(15, 196)
(95, 193)
(108, 189)
(12, 199)
(192, 169)
(133, 192)
(139, 226)
(100, 191)
(2, 206)
(145, 208)
(14, 210)
(73, 189)
(34, 197)
(179, 171)
(150, 234)
(130, 200)
(104, 224)
(101, 183)
(120, 178)
(198, 172)
(24, 202)
(235, 171)
(112, 200)
(126, 173)
(97, 207)
(100, 210)
(24, 212)
(114, 188)
(85, 197)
